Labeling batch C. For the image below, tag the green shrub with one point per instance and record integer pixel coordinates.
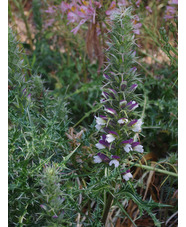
(37, 124)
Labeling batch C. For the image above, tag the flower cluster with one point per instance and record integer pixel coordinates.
(118, 122)
(81, 11)
(171, 10)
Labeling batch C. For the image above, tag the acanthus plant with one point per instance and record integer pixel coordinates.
(118, 122)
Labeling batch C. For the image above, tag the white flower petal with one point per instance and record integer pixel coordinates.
(122, 121)
(97, 159)
(115, 162)
(137, 126)
(128, 147)
(127, 176)
(110, 138)
(100, 121)
(99, 128)
(138, 148)
(100, 146)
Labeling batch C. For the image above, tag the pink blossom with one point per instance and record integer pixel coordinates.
(111, 8)
(137, 25)
(149, 9)
(64, 6)
(122, 3)
(173, 2)
(170, 12)
(50, 10)
(138, 3)
(49, 23)
(75, 30)
(97, 4)
(72, 17)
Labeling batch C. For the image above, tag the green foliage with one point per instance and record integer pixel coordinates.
(45, 179)
(161, 94)
(37, 125)
(37, 16)
(15, 64)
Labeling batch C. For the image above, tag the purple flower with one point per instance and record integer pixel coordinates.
(75, 30)
(136, 127)
(133, 87)
(24, 91)
(129, 103)
(127, 175)
(114, 133)
(136, 28)
(122, 103)
(111, 136)
(132, 122)
(136, 25)
(43, 206)
(133, 106)
(127, 145)
(133, 54)
(29, 97)
(105, 94)
(115, 157)
(72, 17)
(138, 3)
(113, 92)
(110, 110)
(103, 157)
(111, 8)
(49, 23)
(137, 147)
(54, 216)
(106, 77)
(149, 9)
(173, 2)
(127, 141)
(103, 100)
(102, 143)
(64, 6)
(106, 130)
(133, 69)
(170, 12)
(122, 3)
(171, 9)
(50, 10)
(123, 85)
(135, 144)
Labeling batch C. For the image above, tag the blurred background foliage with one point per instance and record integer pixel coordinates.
(56, 85)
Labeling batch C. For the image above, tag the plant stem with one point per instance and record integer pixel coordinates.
(155, 169)
(107, 208)
(20, 7)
